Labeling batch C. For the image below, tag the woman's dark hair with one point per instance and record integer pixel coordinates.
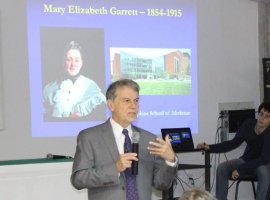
(72, 45)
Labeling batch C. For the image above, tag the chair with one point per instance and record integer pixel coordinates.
(251, 179)
(268, 193)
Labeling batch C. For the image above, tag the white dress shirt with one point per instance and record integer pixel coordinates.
(119, 136)
(120, 139)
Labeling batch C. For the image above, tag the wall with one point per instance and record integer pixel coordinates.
(228, 63)
(228, 58)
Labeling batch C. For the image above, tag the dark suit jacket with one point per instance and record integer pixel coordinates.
(94, 165)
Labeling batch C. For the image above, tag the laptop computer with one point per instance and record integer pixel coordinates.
(181, 138)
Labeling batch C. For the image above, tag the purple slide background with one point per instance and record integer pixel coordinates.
(123, 32)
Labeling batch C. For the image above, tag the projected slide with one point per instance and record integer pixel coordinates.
(77, 48)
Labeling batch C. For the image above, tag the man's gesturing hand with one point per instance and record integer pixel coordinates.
(162, 148)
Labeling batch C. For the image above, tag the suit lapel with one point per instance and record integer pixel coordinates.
(109, 140)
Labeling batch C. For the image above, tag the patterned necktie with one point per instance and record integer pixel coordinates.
(132, 193)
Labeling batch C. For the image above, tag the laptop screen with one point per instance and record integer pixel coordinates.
(181, 138)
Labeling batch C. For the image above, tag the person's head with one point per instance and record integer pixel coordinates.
(73, 60)
(264, 115)
(123, 101)
(196, 194)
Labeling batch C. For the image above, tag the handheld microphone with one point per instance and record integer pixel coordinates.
(52, 156)
(135, 149)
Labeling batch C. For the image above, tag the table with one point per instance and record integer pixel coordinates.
(168, 194)
(40, 178)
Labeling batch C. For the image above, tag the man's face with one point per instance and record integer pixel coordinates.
(125, 106)
(263, 119)
(73, 62)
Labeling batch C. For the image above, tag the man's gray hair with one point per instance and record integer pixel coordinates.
(111, 91)
(197, 194)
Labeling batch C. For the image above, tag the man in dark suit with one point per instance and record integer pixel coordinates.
(100, 160)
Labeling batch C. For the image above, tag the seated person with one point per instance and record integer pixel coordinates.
(73, 95)
(255, 159)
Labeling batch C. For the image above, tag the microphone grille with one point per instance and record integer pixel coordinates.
(135, 137)
(49, 156)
